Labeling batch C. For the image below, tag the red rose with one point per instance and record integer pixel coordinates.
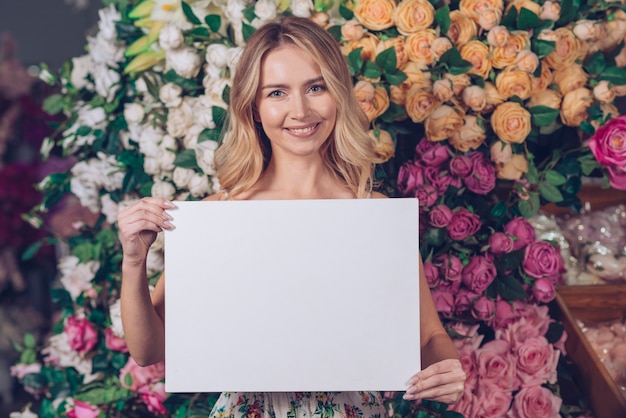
(81, 334)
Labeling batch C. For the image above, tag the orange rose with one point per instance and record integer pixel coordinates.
(442, 89)
(477, 53)
(492, 97)
(419, 49)
(474, 97)
(527, 61)
(352, 31)
(570, 78)
(364, 91)
(513, 169)
(544, 80)
(566, 51)
(474, 8)
(490, 18)
(550, 10)
(575, 105)
(375, 14)
(615, 32)
(501, 152)
(414, 15)
(602, 91)
(548, 97)
(498, 36)
(368, 42)
(459, 82)
(439, 46)
(397, 94)
(415, 75)
(470, 136)
(384, 147)
(321, 18)
(506, 55)
(443, 122)
(511, 82)
(374, 103)
(462, 28)
(524, 4)
(511, 122)
(608, 111)
(420, 103)
(401, 53)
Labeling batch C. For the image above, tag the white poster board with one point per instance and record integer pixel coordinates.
(299, 295)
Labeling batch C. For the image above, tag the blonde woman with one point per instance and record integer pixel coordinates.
(295, 131)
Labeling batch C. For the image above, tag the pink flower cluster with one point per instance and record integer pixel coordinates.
(147, 382)
(505, 376)
(81, 334)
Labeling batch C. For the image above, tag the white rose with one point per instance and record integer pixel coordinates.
(203, 111)
(59, 353)
(141, 86)
(106, 25)
(265, 10)
(105, 51)
(109, 208)
(215, 185)
(205, 151)
(133, 113)
(168, 142)
(199, 185)
(190, 139)
(217, 55)
(167, 160)
(111, 175)
(163, 189)
(301, 8)
(185, 61)
(234, 14)
(234, 57)
(81, 68)
(76, 277)
(180, 118)
(214, 88)
(154, 263)
(151, 166)
(115, 313)
(159, 242)
(91, 116)
(149, 142)
(182, 177)
(171, 37)
(171, 94)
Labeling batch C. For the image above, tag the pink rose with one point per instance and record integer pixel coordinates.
(467, 337)
(496, 366)
(543, 290)
(463, 301)
(535, 402)
(536, 362)
(463, 224)
(468, 363)
(608, 145)
(501, 243)
(410, 176)
(83, 410)
(439, 179)
(426, 194)
(450, 266)
(444, 303)
(461, 166)
(479, 274)
(21, 370)
(493, 403)
(483, 308)
(81, 335)
(432, 274)
(435, 155)
(439, 216)
(543, 260)
(506, 313)
(482, 179)
(153, 396)
(141, 376)
(467, 406)
(113, 342)
(521, 230)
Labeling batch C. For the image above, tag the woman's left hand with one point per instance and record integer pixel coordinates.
(443, 381)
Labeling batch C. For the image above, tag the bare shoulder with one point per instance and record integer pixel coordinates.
(378, 195)
(214, 197)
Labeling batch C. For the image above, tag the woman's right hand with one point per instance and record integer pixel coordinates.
(139, 225)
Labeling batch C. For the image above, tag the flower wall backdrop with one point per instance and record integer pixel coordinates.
(498, 101)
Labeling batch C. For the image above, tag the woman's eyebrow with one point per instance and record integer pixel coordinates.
(284, 86)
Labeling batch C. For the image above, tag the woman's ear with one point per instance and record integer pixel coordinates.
(255, 115)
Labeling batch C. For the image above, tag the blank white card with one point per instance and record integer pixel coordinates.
(292, 295)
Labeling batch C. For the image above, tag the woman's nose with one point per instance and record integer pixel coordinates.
(300, 107)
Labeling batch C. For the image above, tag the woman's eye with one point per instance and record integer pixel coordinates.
(276, 93)
(318, 88)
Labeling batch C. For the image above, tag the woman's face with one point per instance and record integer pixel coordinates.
(293, 103)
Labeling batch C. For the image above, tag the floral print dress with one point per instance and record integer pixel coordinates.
(299, 404)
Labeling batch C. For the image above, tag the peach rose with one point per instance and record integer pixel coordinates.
(544, 80)
(501, 152)
(442, 89)
(401, 53)
(474, 8)
(477, 53)
(514, 169)
(498, 36)
(575, 105)
(511, 82)
(603, 92)
(506, 55)
(585, 29)
(368, 42)
(415, 75)
(375, 14)
(462, 28)
(490, 18)
(373, 103)
(620, 58)
(548, 97)
(414, 15)
(614, 33)
(619, 90)
(608, 111)
(492, 96)
(352, 31)
(397, 94)
(570, 78)
(439, 46)
(550, 10)
(524, 4)
(511, 122)
(566, 51)
(459, 82)
(321, 18)
(418, 47)
(527, 61)
(384, 147)
(470, 136)
(474, 97)
(420, 103)
(443, 122)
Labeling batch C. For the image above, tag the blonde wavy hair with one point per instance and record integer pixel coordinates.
(246, 151)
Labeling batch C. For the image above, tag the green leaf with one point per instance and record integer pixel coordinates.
(543, 115)
(595, 63)
(396, 77)
(208, 135)
(372, 70)
(442, 17)
(247, 31)
(189, 14)
(53, 104)
(128, 379)
(527, 20)
(99, 363)
(588, 166)
(555, 178)
(214, 22)
(529, 208)
(569, 10)
(542, 48)
(219, 115)
(550, 193)
(201, 33)
(248, 13)
(345, 12)
(335, 30)
(31, 250)
(395, 111)
(104, 395)
(119, 360)
(587, 128)
(510, 288)
(456, 64)
(186, 159)
(387, 60)
(615, 75)
(35, 381)
(29, 340)
(510, 19)
(61, 298)
(355, 61)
